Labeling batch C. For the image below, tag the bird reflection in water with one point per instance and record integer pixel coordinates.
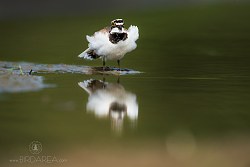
(111, 100)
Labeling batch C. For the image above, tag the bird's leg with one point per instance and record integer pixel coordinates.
(118, 62)
(118, 79)
(103, 63)
(103, 80)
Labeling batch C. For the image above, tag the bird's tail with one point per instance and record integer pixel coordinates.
(92, 85)
(89, 54)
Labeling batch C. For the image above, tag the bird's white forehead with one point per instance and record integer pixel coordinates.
(118, 22)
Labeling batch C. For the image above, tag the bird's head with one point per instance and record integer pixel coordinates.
(117, 110)
(117, 32)
(117, 23)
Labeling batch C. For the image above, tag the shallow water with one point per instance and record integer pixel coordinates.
(192, 98)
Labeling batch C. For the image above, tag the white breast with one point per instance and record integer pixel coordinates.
(103, 47)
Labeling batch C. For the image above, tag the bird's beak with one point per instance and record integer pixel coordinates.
(120, 27)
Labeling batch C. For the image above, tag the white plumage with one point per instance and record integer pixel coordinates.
(101, 46)
(111, 100)
(101, 99)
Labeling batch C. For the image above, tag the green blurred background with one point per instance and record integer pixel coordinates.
(194, 55)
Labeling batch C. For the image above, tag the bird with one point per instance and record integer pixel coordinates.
(111, 42)
(110, 100)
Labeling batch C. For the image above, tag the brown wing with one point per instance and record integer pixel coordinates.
(105, 30)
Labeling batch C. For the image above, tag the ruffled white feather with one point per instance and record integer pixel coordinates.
(100, 101)
(100, 43)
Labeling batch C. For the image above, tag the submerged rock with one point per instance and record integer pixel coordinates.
(21, 83)
(17, 76)
(24, 67)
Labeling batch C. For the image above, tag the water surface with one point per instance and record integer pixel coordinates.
(192, 98)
